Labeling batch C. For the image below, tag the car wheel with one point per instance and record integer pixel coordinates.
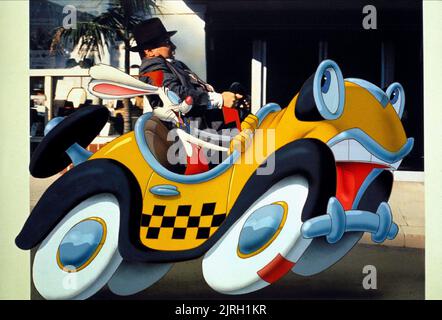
(133, 277)
(80, 254)
(264, 244)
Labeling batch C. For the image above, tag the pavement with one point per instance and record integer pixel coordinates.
(406, 202)
(400, 274)
(407, 205)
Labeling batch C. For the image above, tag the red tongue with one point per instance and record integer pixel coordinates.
(350, 176)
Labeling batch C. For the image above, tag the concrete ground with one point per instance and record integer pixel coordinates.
(407, 204)
(37, 187)
(400, 275)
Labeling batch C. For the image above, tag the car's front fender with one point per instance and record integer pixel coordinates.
(87, 179)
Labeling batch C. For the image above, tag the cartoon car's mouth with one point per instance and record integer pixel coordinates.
(356, 145)
(357, 155)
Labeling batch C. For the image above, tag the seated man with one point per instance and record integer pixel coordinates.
(159, 68)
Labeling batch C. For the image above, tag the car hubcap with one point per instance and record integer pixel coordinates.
(261, 228)
(81, 244)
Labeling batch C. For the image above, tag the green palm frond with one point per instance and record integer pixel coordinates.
(104, 29)
(145, 6)
(116, 24)
(115, 18)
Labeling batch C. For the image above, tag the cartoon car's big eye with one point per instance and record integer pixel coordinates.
(328, 90)
(396, 94)
(325, 81)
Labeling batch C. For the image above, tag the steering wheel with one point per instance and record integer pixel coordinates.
(244, 104)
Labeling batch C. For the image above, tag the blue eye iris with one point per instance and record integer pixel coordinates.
(394, 96)
(325, 81)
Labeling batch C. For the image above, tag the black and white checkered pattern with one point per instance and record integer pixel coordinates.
(205, 222)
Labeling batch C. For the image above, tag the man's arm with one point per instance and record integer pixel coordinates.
(176, 81)
(200, 97)
(171, 80)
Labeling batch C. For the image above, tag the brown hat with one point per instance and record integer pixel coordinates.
(150, 33)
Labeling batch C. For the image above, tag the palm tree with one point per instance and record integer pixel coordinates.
(116, 24)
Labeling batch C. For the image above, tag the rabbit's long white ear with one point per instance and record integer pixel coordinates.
(109, 73)
(111, 90)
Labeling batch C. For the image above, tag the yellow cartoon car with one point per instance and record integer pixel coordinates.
(296, 189)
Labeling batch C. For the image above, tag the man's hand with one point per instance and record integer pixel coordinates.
(229, 98)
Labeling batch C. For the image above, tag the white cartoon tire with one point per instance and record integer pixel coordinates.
(133, 277)
(263, 245)
(80, 254)
(321, 255)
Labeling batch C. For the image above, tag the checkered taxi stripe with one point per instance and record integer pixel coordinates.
(183, 223)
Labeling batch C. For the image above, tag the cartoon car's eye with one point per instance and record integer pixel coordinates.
(396, 94)
(325, 82)
(329, 90)
(322, 96)
(394, 97)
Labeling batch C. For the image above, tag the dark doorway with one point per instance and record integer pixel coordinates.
(299, 34)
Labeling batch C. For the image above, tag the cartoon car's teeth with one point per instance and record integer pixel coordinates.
(125, 214)
(351, 150)
(341, 150)
(357, 152)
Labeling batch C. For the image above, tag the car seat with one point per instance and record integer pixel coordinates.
(155, 133)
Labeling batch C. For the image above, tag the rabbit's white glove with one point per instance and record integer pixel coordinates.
(172, 105)
(166, 114)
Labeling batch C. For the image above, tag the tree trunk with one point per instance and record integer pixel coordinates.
(127, 117)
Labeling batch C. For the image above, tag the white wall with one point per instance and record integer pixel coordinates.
(15, 282)
(432, 12)
(191, 36)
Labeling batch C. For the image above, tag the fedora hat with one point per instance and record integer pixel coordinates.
(150, 33)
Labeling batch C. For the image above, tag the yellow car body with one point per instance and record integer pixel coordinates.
(362, 110)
